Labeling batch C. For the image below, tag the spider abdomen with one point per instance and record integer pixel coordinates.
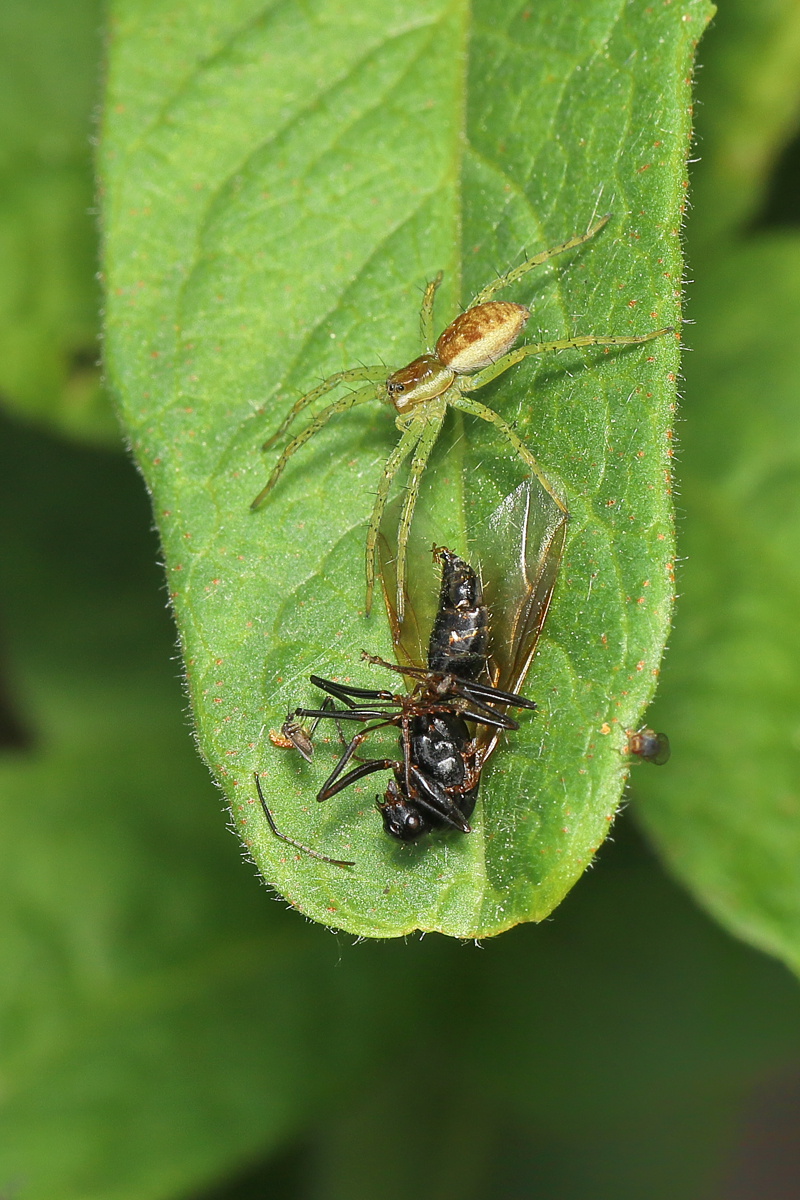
(480, 336)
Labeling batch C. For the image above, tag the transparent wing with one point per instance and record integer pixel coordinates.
(519, 552)
(518, 548)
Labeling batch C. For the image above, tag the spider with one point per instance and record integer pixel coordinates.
(472, 351)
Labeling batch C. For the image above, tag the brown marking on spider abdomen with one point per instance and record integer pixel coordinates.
(480, 336)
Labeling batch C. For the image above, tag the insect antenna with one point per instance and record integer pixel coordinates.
(335, 862)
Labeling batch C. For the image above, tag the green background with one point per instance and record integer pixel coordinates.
(169, 1030)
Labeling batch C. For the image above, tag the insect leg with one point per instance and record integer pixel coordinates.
(513, 275)
(428, 795)
(430, 432)
(375, 374)
(426, 314)
(321, 419)
(474, 690)
(345, 693)
(335, 862)
(408, 441)
(368, 768)
(344, 714)
(470, 405)
(377, 661)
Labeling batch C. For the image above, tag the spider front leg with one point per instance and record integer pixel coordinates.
(373, 374)
(426, 314)
(537, 260)
(469, 405)
(320, 420)
(435, 412)
(409, 439)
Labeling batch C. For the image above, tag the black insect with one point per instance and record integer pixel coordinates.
(450, 720)
(435, 777)
(649, 746)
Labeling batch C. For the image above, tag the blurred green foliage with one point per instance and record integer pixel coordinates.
(166, 1027)
(727, 815)
(49, 296)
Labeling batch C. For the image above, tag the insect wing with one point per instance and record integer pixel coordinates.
(519, 548)
(520, 553)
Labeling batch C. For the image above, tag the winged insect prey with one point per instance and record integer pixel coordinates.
(475, 661)
(649, 746)
(519, 545)
(472, 351)
(293, 736)
(435, 780)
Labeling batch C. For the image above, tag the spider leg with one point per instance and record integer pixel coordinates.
(512, 276)
(471, 383)
(426, 314)
(320, 420)
(410, 437)
(470, 405)
(375, 374)
(427, 439)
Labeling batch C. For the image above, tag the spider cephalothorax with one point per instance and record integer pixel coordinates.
(474, 349)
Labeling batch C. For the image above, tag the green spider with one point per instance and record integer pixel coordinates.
(471, 352)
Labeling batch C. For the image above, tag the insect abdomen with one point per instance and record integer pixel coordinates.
(459, 639)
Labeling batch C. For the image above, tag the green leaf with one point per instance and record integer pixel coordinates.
(725, 813)
(128, 992)
(722, 813)
(49, 296)
(279, 184)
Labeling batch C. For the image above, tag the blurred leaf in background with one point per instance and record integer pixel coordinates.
(49, 293)
(727, 813)
(166, 1029)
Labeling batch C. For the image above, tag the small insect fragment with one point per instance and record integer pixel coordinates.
(472, 351)
(293, 736)
(649, 746)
